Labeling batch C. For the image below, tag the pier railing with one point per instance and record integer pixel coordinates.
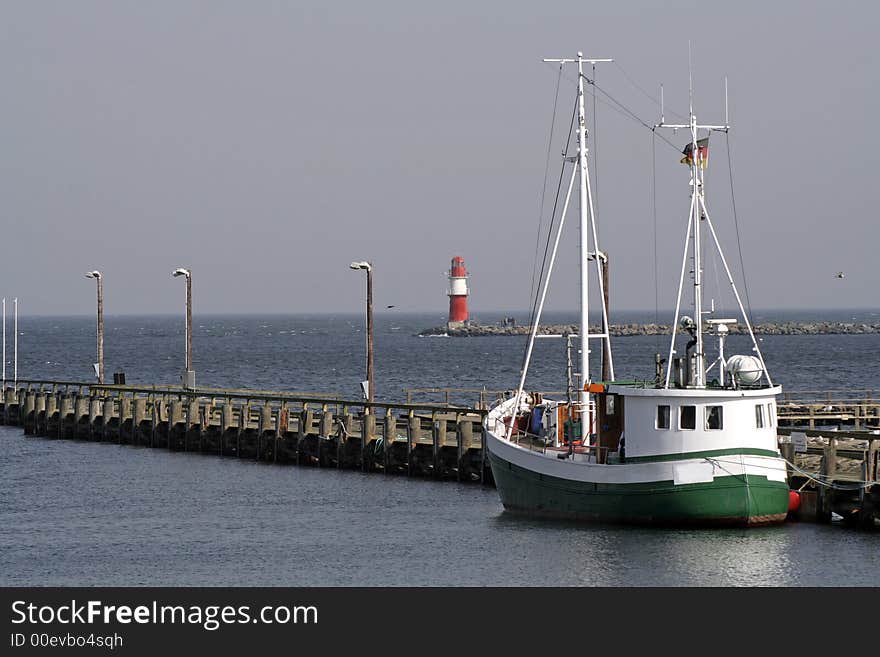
(859, 409)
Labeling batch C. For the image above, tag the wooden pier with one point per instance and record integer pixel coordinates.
(426, 440)
(859, 409)
(834, 473)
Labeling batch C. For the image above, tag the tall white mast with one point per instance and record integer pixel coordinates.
(694, 219)
(698, 214)
(584, 236)
(697, 183)
(587, 214)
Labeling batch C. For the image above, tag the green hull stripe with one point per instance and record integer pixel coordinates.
(738, 500)
(703, 454)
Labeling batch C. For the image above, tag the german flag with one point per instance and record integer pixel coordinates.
(702, 153)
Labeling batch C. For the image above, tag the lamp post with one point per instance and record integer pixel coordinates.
(100, 285)
(189, 376)
(4, 343)
(368, 267)
(15, 341)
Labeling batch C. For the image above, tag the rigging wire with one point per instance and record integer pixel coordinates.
(595, 149)
(544, 185)
(654, 215)
(816, 477)
(736, 224)
(645, 93)
(620, 108)
(533, 313)
(629, 112)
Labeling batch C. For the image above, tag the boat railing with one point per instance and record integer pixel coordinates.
(537, 443)
(481, 398)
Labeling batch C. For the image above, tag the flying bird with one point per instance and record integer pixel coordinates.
(839, 274)
(389, 306)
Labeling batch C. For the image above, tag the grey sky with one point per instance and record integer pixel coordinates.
(265, 145)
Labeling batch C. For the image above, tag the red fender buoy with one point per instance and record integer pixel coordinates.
(794, 501)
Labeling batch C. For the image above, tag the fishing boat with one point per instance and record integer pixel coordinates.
(696, 445)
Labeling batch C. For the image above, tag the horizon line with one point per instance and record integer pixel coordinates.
(386, 311)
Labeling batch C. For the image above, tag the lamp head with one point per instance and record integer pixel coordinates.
(180, 271)
(361, 265)
(93, 274)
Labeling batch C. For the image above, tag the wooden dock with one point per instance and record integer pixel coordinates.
(835, 473)
(426, 440)
(859, 409)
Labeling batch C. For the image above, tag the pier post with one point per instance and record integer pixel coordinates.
(482, 453)
(368, 431)
(345, 424)
(831, 453)
(244, 421)
(28, 418)
(465, 435)
(152, 404)
(786, 450)
(824, 493)
(51, 410)
(389, 434)
(225, 424)
(68, 410)
(175, 419)
(325, 432)
(206, 418)
(413, 434)
(80, 410)
(126, 420)
(139, 416)
(158, 418)
(306, 418)
(108, 413)
(193, 423)
(283, 425)
(10, 400)
(40, 413)
(94, 414)
(439, 440)
(265, 426)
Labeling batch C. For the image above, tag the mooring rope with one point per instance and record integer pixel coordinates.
(815, 477)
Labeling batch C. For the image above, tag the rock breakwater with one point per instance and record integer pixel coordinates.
(617, 330)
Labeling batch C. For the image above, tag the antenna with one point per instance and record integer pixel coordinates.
(15, 341)
(726, 114)
(582, 59)
(691, 77)
(662, 115)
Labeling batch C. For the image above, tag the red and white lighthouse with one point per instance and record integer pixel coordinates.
(458, 293)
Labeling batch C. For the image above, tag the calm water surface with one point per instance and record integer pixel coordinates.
(74, 513)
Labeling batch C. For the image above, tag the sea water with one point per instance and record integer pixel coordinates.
(78, 513)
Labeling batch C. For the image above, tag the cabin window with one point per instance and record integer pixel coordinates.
(771, 416)
(687, 417)
(714, 417)
(662, 417)
(759, 416)
(609, 405)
